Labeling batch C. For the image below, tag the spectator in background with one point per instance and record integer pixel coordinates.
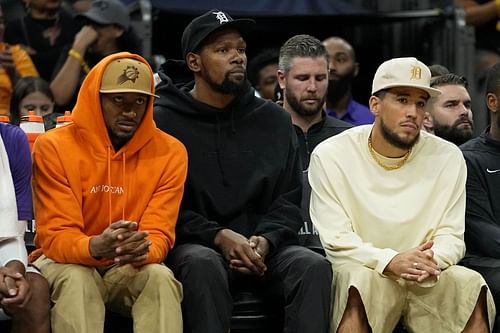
(106, 30)
(484, 16)
(428, 122)
(15, 63)
(43, 32)
(343, 70)
(108, 220)
(451, 110)
(388, 201)
(240, 212)
(303, 76)
(262, 72)
(482, 214)
(32, 94)
(24, 293)
(79, 6)
(437, 70)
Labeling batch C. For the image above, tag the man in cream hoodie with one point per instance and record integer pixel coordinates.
(388, 201)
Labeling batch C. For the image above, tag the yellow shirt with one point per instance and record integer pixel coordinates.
(24, 66)
(367, 214)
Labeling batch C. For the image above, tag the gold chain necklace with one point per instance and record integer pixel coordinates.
(382, 164)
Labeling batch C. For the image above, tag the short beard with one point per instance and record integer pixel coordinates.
(340, 87)
(228, 86)
(453, 134)
(395, 140)
(298, 108)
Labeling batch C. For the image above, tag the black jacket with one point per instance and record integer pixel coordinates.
(482, 217)
(244, 168)
(327, 127)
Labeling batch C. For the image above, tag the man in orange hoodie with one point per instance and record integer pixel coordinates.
(107, 192)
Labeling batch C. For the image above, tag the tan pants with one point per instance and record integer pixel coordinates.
(80, 294)
(443, 308)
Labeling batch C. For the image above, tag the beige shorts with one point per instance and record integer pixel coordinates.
(443, 308)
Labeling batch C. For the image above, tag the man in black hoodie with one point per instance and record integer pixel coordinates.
(240, 212)
(482, 213)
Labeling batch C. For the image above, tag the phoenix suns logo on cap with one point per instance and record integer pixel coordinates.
(131, 73)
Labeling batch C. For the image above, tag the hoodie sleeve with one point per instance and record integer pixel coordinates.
(449, 245)
(160, 216)
(58, 209)
(283, 220)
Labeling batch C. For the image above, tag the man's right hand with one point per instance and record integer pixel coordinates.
(237, 250)
(7, 63)
(416, 264)
(84, 38)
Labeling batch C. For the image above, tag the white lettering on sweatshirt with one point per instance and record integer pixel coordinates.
(107, 189)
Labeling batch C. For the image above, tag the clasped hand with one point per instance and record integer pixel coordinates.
(417, 264)
(15, 291)
(122, 243)
(244, 255)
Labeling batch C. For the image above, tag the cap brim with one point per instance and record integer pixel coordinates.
(116, 91)
(431, 91)
(95, 17)
(92, 16)
(242, 25)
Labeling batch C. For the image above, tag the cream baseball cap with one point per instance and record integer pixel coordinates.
(403, 72)
(127, 75)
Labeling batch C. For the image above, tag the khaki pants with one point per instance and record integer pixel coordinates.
(442, 308)
(80, 294)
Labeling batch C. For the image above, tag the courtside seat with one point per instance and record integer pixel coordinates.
(254, 313)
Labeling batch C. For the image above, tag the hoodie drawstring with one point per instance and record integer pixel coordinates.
(108, 157)
(124, 160)
(123, 183)
(217, 150)
(233, 128)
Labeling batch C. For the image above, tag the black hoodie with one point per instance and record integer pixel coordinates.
(244, 167)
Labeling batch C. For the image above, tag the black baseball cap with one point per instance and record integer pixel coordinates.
(108, 12)
(202, 26)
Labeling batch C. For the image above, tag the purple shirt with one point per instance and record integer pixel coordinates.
(357, 114)
(18, 151)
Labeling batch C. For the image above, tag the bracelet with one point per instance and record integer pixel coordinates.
(77, 55)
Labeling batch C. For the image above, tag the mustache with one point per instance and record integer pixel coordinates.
(310, 97)
(412, 123)
(463, 120)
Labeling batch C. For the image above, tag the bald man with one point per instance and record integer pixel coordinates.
(343, 70)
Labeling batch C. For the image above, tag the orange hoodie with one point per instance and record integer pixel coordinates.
(81, 184)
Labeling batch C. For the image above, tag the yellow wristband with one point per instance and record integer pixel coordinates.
(497, 5)
(75, 54)
(78, 56)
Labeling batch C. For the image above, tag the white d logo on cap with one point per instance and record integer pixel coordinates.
(221, 16)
